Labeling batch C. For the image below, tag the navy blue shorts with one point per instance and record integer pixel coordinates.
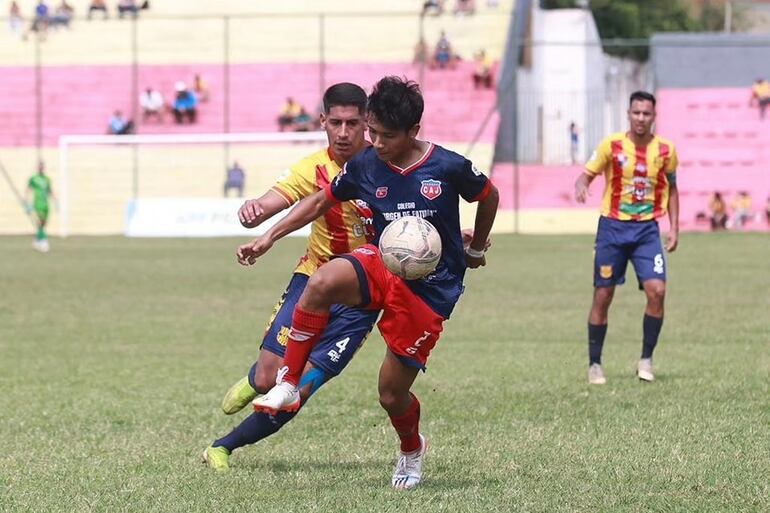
(617, 242)
(346, 332)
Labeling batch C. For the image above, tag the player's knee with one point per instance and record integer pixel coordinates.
(656, 292)
(603, 297)
(262, 382)
(315, 296)
(389, 400)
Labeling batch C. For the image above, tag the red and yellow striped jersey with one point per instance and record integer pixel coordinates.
(343, 227)
(636, 178)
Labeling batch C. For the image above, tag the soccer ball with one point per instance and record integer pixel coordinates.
(410, 247)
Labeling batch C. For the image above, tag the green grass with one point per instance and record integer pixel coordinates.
(115, 353)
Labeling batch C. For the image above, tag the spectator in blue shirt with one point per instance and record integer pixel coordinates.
(236, 178)
(185, 104)
(118, 125)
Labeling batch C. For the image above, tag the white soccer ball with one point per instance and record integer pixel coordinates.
(410, 247)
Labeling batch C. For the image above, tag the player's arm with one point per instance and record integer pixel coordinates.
(673, 216)
(306, 211)
(482, 226)
(594, 167)
(254, 212)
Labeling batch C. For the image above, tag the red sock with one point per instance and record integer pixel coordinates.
(408, 426)
(306, 329)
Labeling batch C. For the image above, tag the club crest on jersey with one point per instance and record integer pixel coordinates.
(431, 189)
(381, 192)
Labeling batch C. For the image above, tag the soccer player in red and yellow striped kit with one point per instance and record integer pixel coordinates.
(639, 169)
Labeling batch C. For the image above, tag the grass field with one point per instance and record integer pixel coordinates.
(115, 353)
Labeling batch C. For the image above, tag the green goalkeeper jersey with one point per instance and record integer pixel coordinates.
(41, 188)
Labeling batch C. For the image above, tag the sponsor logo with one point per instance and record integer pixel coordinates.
(283, 335)
(364, 251)
(605, 271)
(381, 192)
(431, 189)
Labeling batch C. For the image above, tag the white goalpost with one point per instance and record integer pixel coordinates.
(101, 177)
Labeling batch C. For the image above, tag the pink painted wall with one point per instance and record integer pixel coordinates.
(80, 99)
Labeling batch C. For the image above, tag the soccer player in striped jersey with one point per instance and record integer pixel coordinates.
(340, 230)
(397, 176)
(639, 170)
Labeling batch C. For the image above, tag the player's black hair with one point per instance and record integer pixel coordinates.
(344, 94)
(641, 96)
(396, 103)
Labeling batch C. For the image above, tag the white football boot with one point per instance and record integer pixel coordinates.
(596, 375)
(644, 370)
(282, 397)
(408, 473)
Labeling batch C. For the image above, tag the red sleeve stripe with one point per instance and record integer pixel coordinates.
(616, 182)
(329, 194)
(484, 192)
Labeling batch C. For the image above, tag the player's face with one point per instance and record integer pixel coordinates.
(641, 116)
(344, 126)
(390, 145)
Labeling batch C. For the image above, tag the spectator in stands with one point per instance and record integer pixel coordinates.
(718, 210)
(118, 125)
(98, 5)
(741, 210)
(15, 19)
(289, 111)
(41, 20)
(464, 7)
(185, 104)
(127, 6)
(760, 96)
(573, 142)
(443, 56)
(303, 122)
(62, 15)
(200, 88)
(435, 7)
(152, 104)
(482, 73)
(235, 179)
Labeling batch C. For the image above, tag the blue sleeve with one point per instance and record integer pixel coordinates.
(345, 185)
(470, 182)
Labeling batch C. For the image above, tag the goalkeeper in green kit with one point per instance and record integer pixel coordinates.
(39, 188)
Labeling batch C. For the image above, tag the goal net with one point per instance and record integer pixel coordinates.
(168, 185)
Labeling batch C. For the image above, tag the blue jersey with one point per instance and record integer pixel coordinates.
(430, 188)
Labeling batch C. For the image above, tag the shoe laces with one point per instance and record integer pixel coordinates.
(281, 374)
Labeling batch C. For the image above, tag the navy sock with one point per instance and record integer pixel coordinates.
(254, 428)
(258, 426)
(596, 333)
(650, 331)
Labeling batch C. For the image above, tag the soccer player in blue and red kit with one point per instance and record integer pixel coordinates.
(398, 175)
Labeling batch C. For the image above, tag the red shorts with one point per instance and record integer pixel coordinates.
(408, 325)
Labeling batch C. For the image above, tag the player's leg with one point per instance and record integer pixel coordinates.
(610, 261)
(403, 408)
(335, 282)
(650, 266)
(41, 217)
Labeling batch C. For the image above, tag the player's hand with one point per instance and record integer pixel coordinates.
(475, 263)
(581, 191)
(251, 213)
(248, 253)
(468, 237)
(672, 241)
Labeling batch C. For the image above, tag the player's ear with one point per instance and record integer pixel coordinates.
(323, 121)
(414, 130)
